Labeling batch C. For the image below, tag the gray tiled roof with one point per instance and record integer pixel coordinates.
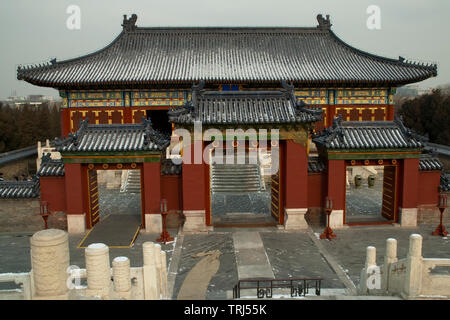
(244, 107)
(368, 135)
(19, 189)
(429, 163)
(115, 138)
(445, 182)
(51, 167)
(315, 165)
(312, 55)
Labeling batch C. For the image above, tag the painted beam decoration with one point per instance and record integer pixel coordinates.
(312, 96)
(159, 98)
(361, 96)
(82, 99)
(170, 98)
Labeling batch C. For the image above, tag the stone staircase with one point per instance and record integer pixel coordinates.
(235, 178)
(132, 182)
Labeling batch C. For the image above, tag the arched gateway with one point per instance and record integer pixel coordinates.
(280, 86)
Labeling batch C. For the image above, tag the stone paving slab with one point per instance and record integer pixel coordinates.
(227, 275)
(294, 255)
(251, 257)
(114, 231)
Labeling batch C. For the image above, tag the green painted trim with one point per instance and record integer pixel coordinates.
(111, 160)
(374, 155)
(112, 154)
(374, 150)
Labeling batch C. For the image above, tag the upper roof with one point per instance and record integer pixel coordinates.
(114, 138)
(244, 107)
(368, 135)
(313, 55)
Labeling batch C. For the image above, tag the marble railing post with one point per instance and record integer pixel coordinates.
(151, 276)
(98, 270)
(157, 253)
(389, 257)
(164, 288)
(122, 278)
(49, 263)
(369, 280)
(413, 279)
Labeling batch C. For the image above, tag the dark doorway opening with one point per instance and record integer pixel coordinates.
(241, 190)
(370, 195)
(160, 120)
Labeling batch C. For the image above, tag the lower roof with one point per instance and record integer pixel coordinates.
(115, 138)
(19, 189)
(368, 135)
(244, 107)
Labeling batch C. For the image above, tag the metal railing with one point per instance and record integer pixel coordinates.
(265, 287)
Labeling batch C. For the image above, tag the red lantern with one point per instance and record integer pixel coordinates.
(442, 204)
(165, 236)
(328, 232)
(45, 212)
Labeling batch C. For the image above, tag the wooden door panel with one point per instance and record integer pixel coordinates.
(275, 195)
(389, 188)
(94, 209)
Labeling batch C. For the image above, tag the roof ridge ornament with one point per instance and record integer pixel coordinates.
(129, 24)
(153, 135)
(324, 23)
(46, 157)
(411, 134)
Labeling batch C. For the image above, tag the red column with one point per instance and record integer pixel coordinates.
(390, 112)
(152, 187)
(296, 177)
(194, 182)
(75, 187)
(336, 183)
(65, 121)
(410, 183)
(127, 115)
(331, 112)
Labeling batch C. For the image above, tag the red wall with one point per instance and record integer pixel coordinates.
(171, 191)
(53, 190)
(316, 190)
(75, 198)
(428, 187)
(152, 187)
(336, 183)
(408, 183)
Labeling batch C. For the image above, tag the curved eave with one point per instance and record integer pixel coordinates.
(430, 70)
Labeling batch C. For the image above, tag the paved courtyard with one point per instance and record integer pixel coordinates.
(253, 253)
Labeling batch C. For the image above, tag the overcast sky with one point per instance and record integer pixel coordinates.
(34, 31)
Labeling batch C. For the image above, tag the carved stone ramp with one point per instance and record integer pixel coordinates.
(251, 258)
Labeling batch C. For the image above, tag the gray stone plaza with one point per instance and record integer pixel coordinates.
(289, 255)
